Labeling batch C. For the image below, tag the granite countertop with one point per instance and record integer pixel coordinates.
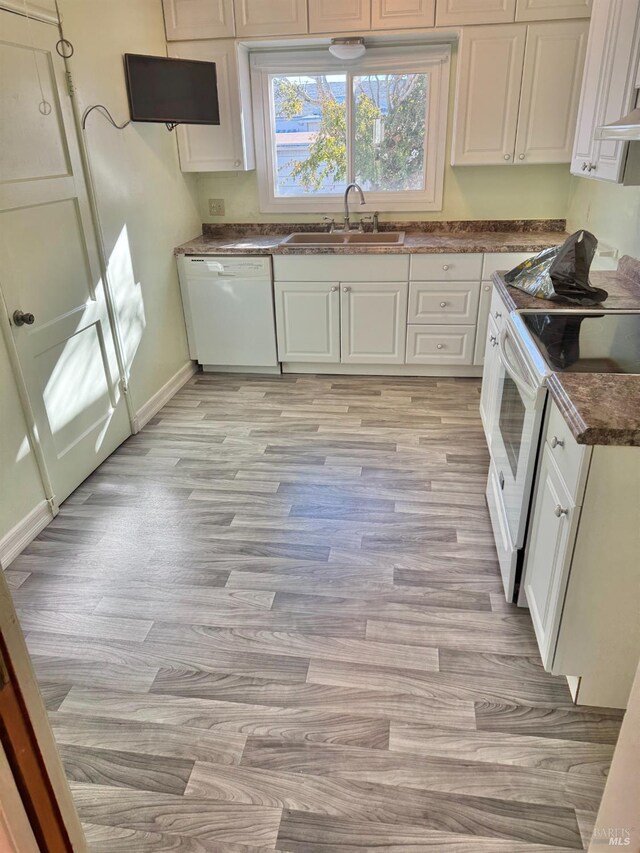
(599, 408)
(420, 238)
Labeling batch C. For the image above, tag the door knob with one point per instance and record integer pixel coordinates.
(22, 318)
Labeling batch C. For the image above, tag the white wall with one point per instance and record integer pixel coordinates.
(610, 211)
(147, 206)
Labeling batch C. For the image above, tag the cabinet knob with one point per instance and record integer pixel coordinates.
(334, 288)
(440, 346)
(498, 314)
(557, 442)
(237, 163)
(445, 267)
(521, 157)
(592, 167)
(346, 289)
(443, 304)
(507, 156)
(493, 340)
(585, 166)
(487, 287)
(560, 511)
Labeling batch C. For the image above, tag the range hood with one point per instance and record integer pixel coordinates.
(627, 127)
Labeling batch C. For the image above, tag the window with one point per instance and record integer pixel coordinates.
(380, 121)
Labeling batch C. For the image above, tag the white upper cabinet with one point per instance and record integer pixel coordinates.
(275, 18)
(402, 14)
(490, 62)
(553, 64)
(198, 19)
(608, 88)
(517, 93)
(547, 10)
(339, 16)
(227, 147)
(458, 12)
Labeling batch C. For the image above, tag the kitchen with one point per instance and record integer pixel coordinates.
(329, 547)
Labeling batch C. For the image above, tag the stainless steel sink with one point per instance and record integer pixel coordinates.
(323, 239)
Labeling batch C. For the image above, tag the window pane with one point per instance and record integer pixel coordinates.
(310, 121)
(390, 124)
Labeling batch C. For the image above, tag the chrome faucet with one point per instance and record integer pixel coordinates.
(347, 218)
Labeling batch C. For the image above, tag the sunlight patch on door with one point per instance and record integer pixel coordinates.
(127, 294)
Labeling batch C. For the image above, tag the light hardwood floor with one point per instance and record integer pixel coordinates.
(274, 620)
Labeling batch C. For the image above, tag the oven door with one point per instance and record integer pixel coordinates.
(516, 423)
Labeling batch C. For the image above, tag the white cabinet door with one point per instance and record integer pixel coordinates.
(339, 16)
(402, 14)
(308, 321)
(548, 10)
(486, 289)
(487, 95)
(275, 18)
(548, 559)
(608, 88)
(198, 19)
(490, 376)
(227, 147)
(373, 322)
(458, 12)
(551, 82)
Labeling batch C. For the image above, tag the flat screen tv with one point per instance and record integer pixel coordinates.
(173, 91)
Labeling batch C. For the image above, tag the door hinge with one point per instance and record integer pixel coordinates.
(70, 87)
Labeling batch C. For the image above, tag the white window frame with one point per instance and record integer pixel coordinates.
(433, 60)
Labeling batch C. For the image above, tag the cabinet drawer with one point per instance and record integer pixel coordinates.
(494, 261)
(446, 267)
(443, 302)
(440, 344)
(341, 268)
(571, 458)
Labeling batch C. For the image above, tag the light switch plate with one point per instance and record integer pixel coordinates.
(216, 207)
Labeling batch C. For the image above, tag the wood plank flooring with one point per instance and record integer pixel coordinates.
(274, 621)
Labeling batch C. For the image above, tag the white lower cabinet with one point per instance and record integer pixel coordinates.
(373, 322)
(440, 345)
(308, 321)
(552, 535)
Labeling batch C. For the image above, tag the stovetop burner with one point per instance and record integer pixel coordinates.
(587, 343)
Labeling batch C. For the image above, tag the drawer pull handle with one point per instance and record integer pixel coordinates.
(494, 340)
(557, 442)
(443, 304)
(445, 267)
(560, 511)
(440, 346)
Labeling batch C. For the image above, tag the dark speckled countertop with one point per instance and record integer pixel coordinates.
(599, 408)
(420, 238)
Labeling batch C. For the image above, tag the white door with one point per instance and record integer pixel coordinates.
(547, 10)
(486, 291)
(308, 321)
(402, 14)
(487, 95)
(275, 18)
(227, 147)
(373, 322)
(339, 16)
(548, 560)
(553, 65)
(198, 19)
(457, 12)
(49, 266)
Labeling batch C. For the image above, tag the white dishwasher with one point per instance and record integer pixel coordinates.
(228, 306)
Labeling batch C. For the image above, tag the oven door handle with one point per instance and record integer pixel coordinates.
(527, 389)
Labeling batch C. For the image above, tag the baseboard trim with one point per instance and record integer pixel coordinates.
(162, 397)
(25, 531)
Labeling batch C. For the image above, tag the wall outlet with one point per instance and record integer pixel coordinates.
(216, 207)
